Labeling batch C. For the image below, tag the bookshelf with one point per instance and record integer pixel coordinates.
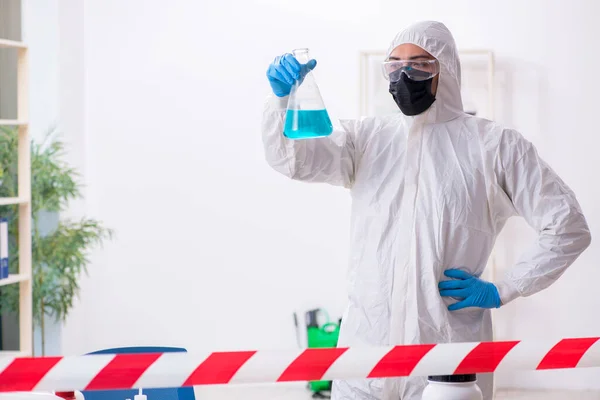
(24, 276)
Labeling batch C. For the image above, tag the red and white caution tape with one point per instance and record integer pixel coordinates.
(127, 371)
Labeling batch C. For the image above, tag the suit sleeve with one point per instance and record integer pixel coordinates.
(550, 207)
(326, 160)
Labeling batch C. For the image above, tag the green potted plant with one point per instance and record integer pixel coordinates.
(60, 256)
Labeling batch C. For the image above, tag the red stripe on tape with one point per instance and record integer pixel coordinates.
(123, 371)
(311, 365)
(23, 374)
(567, 353)
(218, 368)
(400, 361)
(484, 358)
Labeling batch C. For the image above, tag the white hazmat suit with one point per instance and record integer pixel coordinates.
(429, 193)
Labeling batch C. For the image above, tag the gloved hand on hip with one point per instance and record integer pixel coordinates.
(472, 291)
(284, 71)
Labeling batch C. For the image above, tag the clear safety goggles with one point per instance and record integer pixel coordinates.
(421, 70)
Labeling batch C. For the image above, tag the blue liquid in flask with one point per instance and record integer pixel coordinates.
(307, 124)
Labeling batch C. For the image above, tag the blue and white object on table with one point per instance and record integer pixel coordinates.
(140, 396)
(3, 248)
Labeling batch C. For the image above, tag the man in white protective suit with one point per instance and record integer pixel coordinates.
(431, 189)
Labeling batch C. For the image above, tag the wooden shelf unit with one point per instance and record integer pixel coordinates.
(24, 276)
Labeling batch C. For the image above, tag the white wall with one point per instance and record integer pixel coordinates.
(40, 32)
(72, 121)
(213, 249)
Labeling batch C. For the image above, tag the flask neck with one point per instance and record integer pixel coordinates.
(301, 55)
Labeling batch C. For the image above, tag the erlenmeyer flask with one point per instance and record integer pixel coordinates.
(306, 114)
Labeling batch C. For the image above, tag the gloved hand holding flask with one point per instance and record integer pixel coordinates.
(306, 116)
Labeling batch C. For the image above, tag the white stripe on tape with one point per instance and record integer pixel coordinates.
(5, 362)
(591, 358)
(74, 372)
(443, 359)
(170, 370)
(356, 362)
(525, 356)
(265, 366)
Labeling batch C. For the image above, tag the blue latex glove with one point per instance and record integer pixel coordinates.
(472, 291)
(284, 71)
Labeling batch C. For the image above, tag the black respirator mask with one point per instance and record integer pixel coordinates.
(412, 97)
